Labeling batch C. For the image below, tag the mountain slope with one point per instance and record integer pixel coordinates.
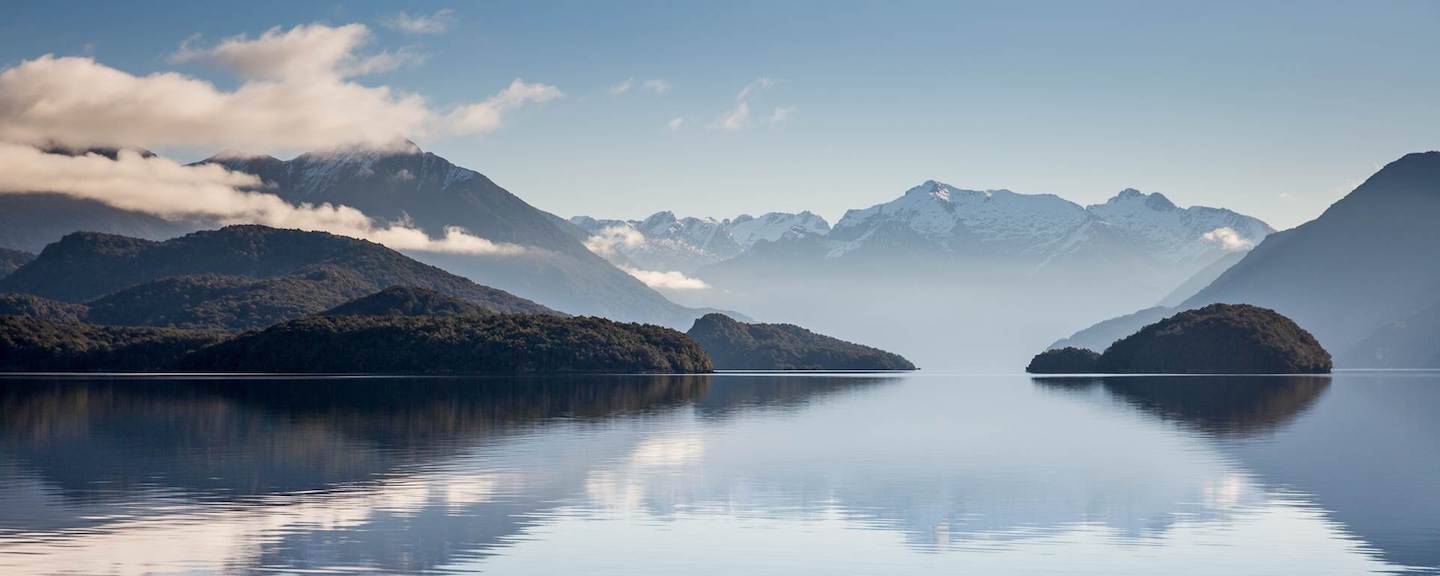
(432, 194)
(407, 301)
(228, 302)
(1367, 261)
(84, 266)
(12, 259)
(1410, 342)
(1359, 277)
(31, 221)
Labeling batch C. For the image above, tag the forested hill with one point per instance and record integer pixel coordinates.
(455, 344)
(237, 277)
(407, 301)
(734, 345)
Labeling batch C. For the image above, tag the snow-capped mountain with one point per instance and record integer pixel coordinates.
(977, 277)
(664, 242)
(937, 217)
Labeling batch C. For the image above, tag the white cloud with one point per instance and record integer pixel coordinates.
(623, 87)
(301, 52)
(675, 123)
(736, 119)
(296, 94)
(662, 280)
(1228, 239)
(611, 238)
(781, 115)
(657, 86)
(761, 83)
(437, 23)
(168, 189)
(485, 116)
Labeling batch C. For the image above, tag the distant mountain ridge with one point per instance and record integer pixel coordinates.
(948, 262)
(938, 218)
(662, 241)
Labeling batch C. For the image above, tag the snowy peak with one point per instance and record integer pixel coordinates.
(747, 230)
(1176, 231)
(667, 242)
(352, 169)
(1132, 197)
(949, 215)
(936, 216)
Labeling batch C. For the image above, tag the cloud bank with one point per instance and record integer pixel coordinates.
(171, 190)
(611, 238)
(297, 92)
(665, 280)
(608, 242)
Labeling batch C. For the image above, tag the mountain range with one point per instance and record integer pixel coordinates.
(942, 261)
(664, 242)
(404, 184)
(431, 193)
(952, 277)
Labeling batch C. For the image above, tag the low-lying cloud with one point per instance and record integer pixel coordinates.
(665, 280)
(168, 189)
(297, 92)
(1228, 239)
(611, 238)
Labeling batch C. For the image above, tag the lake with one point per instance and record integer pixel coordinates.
(725, 474)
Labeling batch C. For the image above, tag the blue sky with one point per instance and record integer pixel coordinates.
(1274, 109)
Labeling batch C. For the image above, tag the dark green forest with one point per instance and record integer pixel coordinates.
(735, 345)
(430, 344)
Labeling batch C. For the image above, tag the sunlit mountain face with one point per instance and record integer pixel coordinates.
(911, 473)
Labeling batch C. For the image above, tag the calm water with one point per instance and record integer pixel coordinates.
(916, 474)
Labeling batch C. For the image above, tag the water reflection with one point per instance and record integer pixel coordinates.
(1369, 455)
(714, 474)
(1219, 405)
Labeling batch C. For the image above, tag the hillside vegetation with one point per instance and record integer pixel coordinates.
(36, 345)
(407, 301)
(86, 265)
(431, 344)
(235, 278)
(736, 345)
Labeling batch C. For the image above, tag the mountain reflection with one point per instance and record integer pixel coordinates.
(389, 474)
(1219, 405)
(396, 475)
(256, 436)
(1364, 449)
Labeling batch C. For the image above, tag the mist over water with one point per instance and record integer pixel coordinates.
(722, 474)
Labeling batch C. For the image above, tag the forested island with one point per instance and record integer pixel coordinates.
(734, 345)
(420, 344)
(1216, 339)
